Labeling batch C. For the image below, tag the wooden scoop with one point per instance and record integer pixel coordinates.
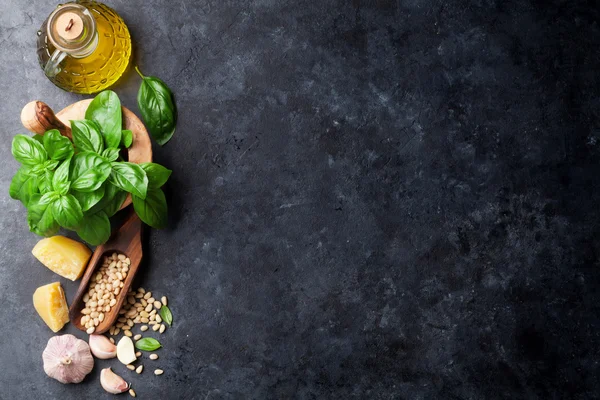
(38, 117)
(127, 241)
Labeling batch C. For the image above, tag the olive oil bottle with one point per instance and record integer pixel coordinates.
(84, 47)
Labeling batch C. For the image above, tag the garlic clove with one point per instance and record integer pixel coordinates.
(126, 351)
(112, 382)
(102, 348)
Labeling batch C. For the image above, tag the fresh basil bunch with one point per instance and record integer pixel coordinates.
(80, 185)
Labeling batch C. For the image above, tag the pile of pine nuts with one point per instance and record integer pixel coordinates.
(139, 308)
(103, 289)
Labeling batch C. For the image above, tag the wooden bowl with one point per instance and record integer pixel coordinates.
(38, 118)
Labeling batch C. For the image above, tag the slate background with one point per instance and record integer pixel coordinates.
(370, 199)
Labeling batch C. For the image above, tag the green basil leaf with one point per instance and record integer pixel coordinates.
(115, 204)
(156, 104)
(57, 146)
(60, 180)
(153, 209)
(105, 110)
(147, 344)
(88, 200)
(111, 154)
(23, 186)
(129, 177)
(157, 174)
(107, 203)
(50, 165)
(95, 228)
(28, 151)
(89, 171)
(67, 211)
(86, 136)
(126, 137)
(45, 182)
(166, 315)
(40, 218)
(49, 197)
(39, 138)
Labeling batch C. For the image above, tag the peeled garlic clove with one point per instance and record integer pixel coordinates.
(126, 351)
(102, 347)
(112, 382)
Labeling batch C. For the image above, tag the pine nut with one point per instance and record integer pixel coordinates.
(152, 312)
(132, 392)
(144, 314)
(144, 302)
(142, 290)
(137, 337)
(90, 330)
(157, 304)
(144, 328)
(139, 295)
(156, 327)
(144, 320)
(94, 314)
(126, 328)
(83, 320)
(148, 308)
(131, 367)
(137, 320)
(158, 372)
(86, 298)
(112, 340)
(154, 356)
(139, 369)
(117, 331)
(158, 318)
(162, 328)
(101, 317)
(112, 302)
(147, 295)
(164, 300)
(151, 300)
(128, 333)
(85, 311)
(129, 322)
(153, 317)
(121, 257)
(127, 261)
(96, 322)
(131, 300)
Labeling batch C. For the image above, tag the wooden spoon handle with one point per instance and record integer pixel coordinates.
(38, 118)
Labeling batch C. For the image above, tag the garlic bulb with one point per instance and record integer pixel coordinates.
(112, 382)
(102, 347)
(67, 359)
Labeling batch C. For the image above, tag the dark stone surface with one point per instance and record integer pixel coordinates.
(370, 199)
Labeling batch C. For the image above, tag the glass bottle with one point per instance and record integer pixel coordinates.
(84, 47)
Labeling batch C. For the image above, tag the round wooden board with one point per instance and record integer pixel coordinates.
(141, 148)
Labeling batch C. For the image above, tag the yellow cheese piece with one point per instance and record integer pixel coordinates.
(50, 303)
(65, 256)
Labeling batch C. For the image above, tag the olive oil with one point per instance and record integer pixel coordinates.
(95, 58)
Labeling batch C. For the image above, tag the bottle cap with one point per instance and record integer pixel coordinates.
(69, 26)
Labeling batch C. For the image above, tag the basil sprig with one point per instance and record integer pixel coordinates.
(80, 185)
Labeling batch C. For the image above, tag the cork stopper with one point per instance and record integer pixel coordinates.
(69, 26)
